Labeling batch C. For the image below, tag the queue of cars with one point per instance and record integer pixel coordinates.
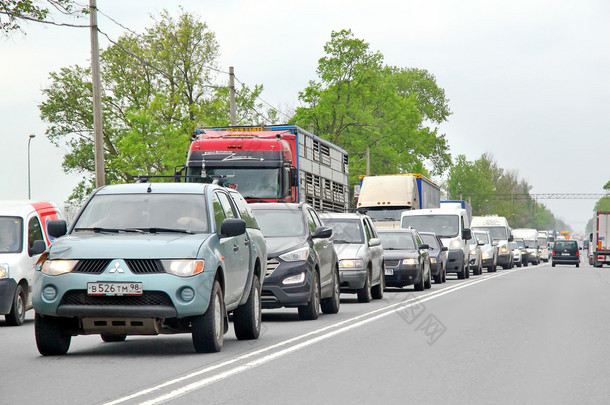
(166, 258)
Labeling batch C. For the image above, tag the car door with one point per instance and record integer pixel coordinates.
(324, 248)
(234, 250)
(376, 252)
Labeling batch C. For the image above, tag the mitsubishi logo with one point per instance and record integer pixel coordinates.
(117, 269)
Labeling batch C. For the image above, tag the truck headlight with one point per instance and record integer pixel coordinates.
(351, 263)
(503, 249)
(4, 273)
(296, 255)
(184, 267)
(58, 267)
(410, 261)
(433, 260)
(455, 244)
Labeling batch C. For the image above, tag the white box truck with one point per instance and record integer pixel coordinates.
(598, 239)
(501, 233)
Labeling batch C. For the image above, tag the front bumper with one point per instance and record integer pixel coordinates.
(403, 275)
(7, 294)
(504, 259)
(274, 294)
(352, 279)
(455, 261)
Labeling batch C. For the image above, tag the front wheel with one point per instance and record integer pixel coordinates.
(51, 338)
(364, 294)
(331, 304)
(17, 315)
(208, 329)
(377, 291)
(428, 283)
(247, 318)
(311, 311)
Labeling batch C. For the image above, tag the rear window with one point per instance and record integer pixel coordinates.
(11, 234)
(566, 244)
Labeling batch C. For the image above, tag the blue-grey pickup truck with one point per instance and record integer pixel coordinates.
(148, 259)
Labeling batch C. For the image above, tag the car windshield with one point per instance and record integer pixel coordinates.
(251, 183)
(280, 223)
(445, 226)
(146, 212)
(530, 243)
(482, 236)
(397, 241)
(520, 243)
(346, 230)
(11, 234)
(497, 232)
(430, 240)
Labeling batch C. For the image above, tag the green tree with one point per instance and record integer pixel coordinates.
(157, 88)
(13, 12)
(359, 103)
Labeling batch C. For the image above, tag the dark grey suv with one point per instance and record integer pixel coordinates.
(302, 265)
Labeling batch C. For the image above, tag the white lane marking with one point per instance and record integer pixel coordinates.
(223, 375)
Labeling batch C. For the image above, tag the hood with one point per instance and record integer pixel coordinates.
(349, 250)
(399, 254)
(279, 245)
(134, 246)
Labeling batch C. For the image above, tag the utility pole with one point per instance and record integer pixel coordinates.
(100, 178)
(368, 161)
(232, 95)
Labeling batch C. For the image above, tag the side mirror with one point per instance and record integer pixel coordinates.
(495, 243)
(232, 227)
(466, 234)
(511, 238)
(179, 172)
(294, 177)
(424, 246)
(579, 248)
(57, 228)
(322, 232)
(374, 242)
(480, 243)
(37, 247)
(444, 249)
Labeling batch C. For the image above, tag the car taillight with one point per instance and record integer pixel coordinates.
(577, 253)
(553, 253)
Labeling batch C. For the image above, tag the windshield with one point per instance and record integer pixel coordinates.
(497, 232)
(520, 243)
(482, 236)
(280, 223)
(11, 235)
(185, 212)
(383, 214)
(430, 240)
(530, 243)
(542, 242)
(251, 183)
(445, 226)
(346, 230)
(397, 241)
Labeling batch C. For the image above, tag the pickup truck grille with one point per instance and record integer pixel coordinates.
(148, 298)
(145, 266)
(271, 266)
(91, 266)
(391, 263)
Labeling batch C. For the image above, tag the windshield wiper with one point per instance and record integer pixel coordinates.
(340, 241)
(113, 230)
(156, 230)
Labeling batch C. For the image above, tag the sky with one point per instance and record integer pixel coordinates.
(527, 80)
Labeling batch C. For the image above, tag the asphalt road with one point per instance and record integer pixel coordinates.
(535, 335)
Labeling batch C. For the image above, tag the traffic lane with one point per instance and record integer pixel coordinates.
(535, 335)
(94, 369)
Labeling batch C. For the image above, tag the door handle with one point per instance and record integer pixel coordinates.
(235, 248)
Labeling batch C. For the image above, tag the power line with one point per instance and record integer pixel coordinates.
(23, 17)
(269, 104)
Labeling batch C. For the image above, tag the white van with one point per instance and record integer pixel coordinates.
(23, 237)
(501, 233)
(453, 227)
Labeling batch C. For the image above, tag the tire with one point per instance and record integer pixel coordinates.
(17, 315)
(519, 265)
(439, 278)
(552, 264)
(421, 286)
(113, 338)
(525, 263)
(377, 291)
(364, 294)
(577, 264)
(247, 318)
(311, 311)
(331, 304)
(479, 270)
(491, 269)
(467, 270)
(51, 338)
(428, 283)
(445, 275)
(208, 329)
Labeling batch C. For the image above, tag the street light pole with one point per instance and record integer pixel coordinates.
(29, 188)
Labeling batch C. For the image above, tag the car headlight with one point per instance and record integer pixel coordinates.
(295, 255)
(455, 244)
(473, 252)
(487, 255)
(503, 249)
(409, 261)
(58, 267)
(296, 279)
(4, 273)
(183, 267)
(433, 260)
(351, 263)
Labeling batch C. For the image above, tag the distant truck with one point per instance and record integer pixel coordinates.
(543, 245)
(275, 163)
(501, 234)
(530, 238)
(385, 197)
(458, 204)
(599, 247)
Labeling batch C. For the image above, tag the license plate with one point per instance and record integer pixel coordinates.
(114, 288)
(389, 272)
(565, 254)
